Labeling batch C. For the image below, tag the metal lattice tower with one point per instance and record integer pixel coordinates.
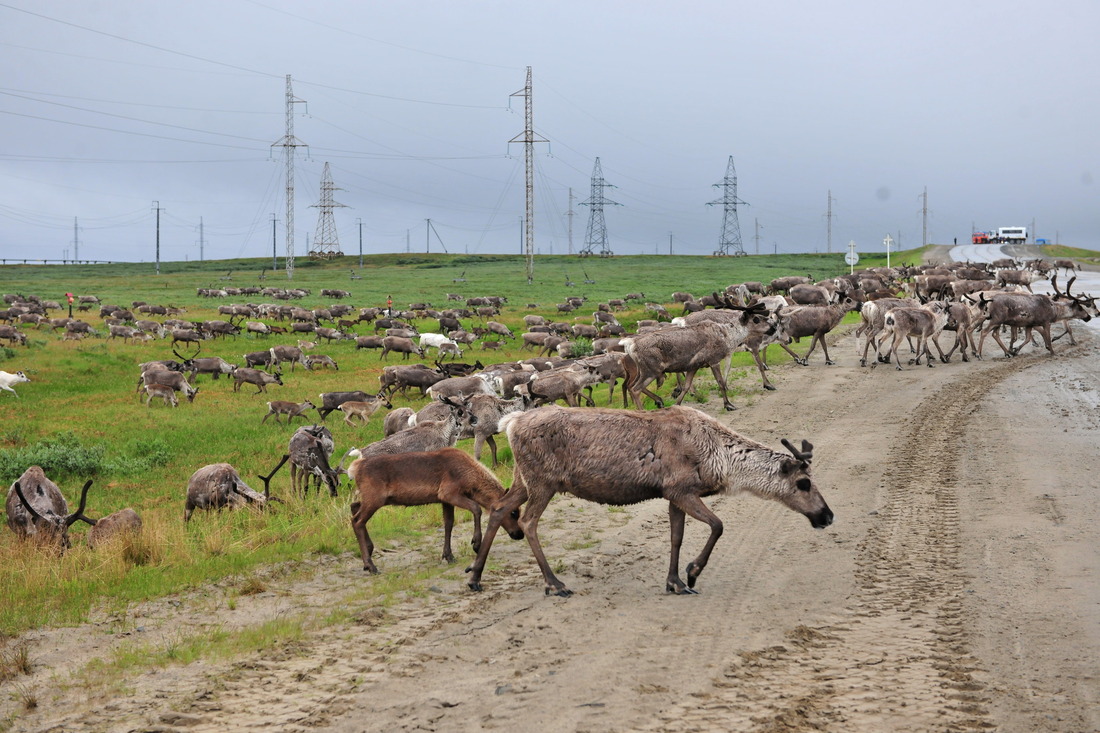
(326, 243)
(596, 236)
(288, 142)
(731, 229)
(528, 138)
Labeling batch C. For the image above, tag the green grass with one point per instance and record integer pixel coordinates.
(80, 417)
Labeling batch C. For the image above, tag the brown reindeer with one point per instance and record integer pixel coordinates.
(449, 477)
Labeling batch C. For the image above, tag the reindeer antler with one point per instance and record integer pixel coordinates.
(807, 452)
(26, 504)
(79, 513)
(267, 481)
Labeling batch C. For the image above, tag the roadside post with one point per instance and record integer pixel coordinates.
(888, 242)
(851, 258)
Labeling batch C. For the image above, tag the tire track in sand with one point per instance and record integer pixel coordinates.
(897, 657)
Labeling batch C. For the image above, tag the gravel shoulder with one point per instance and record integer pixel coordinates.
(957, 590)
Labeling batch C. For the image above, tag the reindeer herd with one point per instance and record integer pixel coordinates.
(676, 453)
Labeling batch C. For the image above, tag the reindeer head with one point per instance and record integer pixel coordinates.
(52, 525)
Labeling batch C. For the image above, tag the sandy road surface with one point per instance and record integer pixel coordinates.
(957, 590)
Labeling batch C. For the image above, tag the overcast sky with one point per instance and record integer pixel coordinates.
(110, 106)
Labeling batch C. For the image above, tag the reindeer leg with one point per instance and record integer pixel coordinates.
(507, 504)
(673, 584)
(694, 506)
(448, 525)
(360, 515)
(529, 523)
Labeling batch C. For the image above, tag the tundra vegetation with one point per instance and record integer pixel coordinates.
(79, 417)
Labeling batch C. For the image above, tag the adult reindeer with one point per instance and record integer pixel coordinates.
(37, 509)
(687, 350)
(618, 457)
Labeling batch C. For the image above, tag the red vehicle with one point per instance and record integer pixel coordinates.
(981, 237)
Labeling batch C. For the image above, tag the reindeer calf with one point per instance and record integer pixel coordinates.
(163, 391)
(362, 409)
(290, 409)
(449, 477)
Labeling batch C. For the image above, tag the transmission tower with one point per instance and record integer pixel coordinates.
(829, 225)
(596, 236)
(731, 229)
(529, 138)
(288, 142)
(326, 243)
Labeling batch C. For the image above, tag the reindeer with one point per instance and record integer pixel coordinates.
(290, 409)
(448, 476)
(619, 457)
(37, 509)
(816, 321)
(486, 411)
(123, 523)
(687, 350)
(165, 377)
(7, 381)
(219, 485)
(363, 409)
(255, 377)
(166, 393)
(924, 322)
(309, 451)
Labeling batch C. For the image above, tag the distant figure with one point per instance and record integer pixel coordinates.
(956, 241)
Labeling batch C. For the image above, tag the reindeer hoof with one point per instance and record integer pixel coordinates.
(769, 387)
(562, 592)
(679, 589)
(372, 570)
(474, 586)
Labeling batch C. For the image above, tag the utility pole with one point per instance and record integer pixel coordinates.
(428, 236)
(274, 259)
(670, 242)
(76, 241)
(360, 221)
(924, 217)
(731, 228)
(570, 215)
(756, 237)
(156, 208)
(529, 138)
(201, 240)
(288, 142)
(829, 225)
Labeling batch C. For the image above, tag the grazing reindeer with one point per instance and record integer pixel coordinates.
(219, 485)
(621, 457)
(309, 451)
(163, 391)
(256, 377)
(448, 476)
(37, 509)
(123, 523)
(290, 409)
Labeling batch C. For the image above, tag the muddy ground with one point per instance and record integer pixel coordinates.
(957, 590)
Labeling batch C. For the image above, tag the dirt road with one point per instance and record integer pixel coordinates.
(957, 590)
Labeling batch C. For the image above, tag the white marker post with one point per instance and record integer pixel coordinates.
(888, 241)
(851, 258)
